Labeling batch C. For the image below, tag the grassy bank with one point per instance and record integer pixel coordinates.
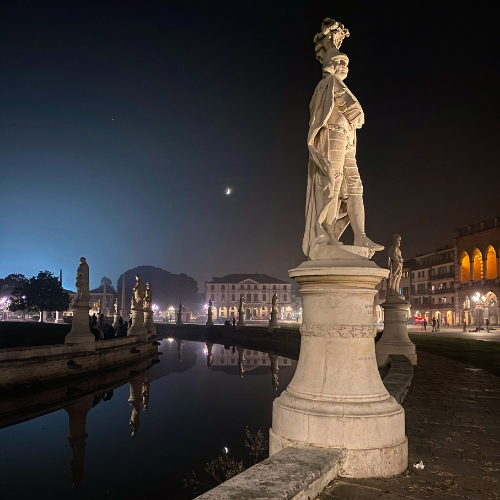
(480, 354)
(18, 334)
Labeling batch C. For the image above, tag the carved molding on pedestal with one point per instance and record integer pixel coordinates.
(319, 330)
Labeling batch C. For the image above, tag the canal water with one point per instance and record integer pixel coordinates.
(181, 416)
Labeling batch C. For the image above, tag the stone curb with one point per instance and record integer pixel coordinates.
(297, 472)
(398, 380)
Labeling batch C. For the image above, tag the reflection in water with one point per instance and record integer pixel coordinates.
(78, 395)
(209, 353)
(179, 349)
(77, 413)
(135, 400)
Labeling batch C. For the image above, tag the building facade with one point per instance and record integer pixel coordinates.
(257, 291)
(432, 286)
(477, 264)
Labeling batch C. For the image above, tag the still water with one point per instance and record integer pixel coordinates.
(181, 415)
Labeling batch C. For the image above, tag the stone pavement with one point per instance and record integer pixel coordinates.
(453, 427)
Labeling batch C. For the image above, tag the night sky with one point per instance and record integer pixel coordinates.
(123, 124)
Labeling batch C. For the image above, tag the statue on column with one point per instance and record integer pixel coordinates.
(395, 264)
(275, 302)
(242, 304)
(138, 294)
(334, 189)
(117, 307)
(82, 283)
(148, 297)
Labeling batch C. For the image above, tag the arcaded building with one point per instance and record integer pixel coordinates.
(257, 290)
(477, 282)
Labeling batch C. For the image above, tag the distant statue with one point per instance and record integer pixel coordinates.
(275, 302)
(117, 307)
(180, 307)
(242, 303)
(148, 297)
(82, 283)
(334, 188)
(395, 264)
(210, 304)
(138, 294)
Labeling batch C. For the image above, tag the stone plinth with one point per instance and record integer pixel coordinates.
(395, 338)
(137, 327)
(179, 319)
(210, 319)
(116, 323)
(273, 322)
(149, 323)
(336, 398)
(80, 330)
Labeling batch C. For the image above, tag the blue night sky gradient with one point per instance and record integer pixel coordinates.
(121, 127)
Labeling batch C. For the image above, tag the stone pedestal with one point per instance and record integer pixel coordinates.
(210, 320)
(336, 398)
(273, 321)
(137, 327)
(80, 329)
(179, 319)
(395, 338)
(149, 323)
(241, 319)
(116, 322)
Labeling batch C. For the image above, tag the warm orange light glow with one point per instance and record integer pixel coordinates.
(478, 265)
(465, 267)
(491, 264)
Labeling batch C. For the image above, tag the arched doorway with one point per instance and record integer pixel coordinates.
(464, 267)
(248, 314)
(264, 312)
(449, 317)
(255, 314)
(491, 263)
(466, 311)
(437, 315)
(478, 265)
(491, 308)
(223, 312)
(233, 312)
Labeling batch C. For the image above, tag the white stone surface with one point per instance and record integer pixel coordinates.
(273, 320)
(395, 264)
(336, 398)
(395, 338)
(241, 314)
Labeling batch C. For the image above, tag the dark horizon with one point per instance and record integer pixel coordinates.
(122, 126)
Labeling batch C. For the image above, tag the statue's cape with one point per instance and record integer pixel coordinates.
(317, 205)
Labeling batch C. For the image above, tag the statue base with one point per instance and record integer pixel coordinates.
(342, 252)
(137, 328)
(80, 330)
(336, 398)
(116, 322)
(241, 320)
(395, 338)
(210, 320)
(149, 323)
(273, 323)
(179, 319)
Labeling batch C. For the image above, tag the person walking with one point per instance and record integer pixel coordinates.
(425, 325)
(234, 320)
(433, 324)
(464, 326)
(94, 319)
(487, 323)
(438, 325)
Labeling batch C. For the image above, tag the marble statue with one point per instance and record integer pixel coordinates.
(117, 307)
(334, 189)
(138, 294)
(395, 264)
(242, 304)
(148, 297)
(210, 304)
(82, 283)
(275, 302)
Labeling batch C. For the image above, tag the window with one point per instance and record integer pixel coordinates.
(233, 297)
(242, 287)
(255, 287)
(248, 287)
(212, 296)
(232, 287)
(249, 297)
(255, 361)
(274, 287)
(406, 292)
(223, 297)
(284, 287)
(413, 275)
(212, 287)
(453, 300)
(441, 270)
(442, 300)
(264, 287)
(222, 350)
(264, 297)
(285, 297)
(255, 297)
(223, 287)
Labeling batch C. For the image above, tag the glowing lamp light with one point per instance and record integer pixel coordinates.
(170, 340)
(483, 298)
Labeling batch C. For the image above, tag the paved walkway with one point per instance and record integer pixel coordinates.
(456, 332)
(453, 427)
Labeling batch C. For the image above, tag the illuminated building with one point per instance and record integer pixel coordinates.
(257, 291)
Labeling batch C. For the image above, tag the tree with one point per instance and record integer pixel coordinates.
(10, 282)
(41, 293)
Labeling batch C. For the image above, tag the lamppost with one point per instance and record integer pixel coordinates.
(480, 301)
(171, 311)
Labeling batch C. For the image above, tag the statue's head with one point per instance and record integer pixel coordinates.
(83, 260)
(148, 285)
(336, 63)
(397, 239)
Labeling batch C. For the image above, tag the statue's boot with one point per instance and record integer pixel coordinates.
(356, 211)
(332, 240)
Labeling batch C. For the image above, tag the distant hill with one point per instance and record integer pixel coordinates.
(168, 289)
